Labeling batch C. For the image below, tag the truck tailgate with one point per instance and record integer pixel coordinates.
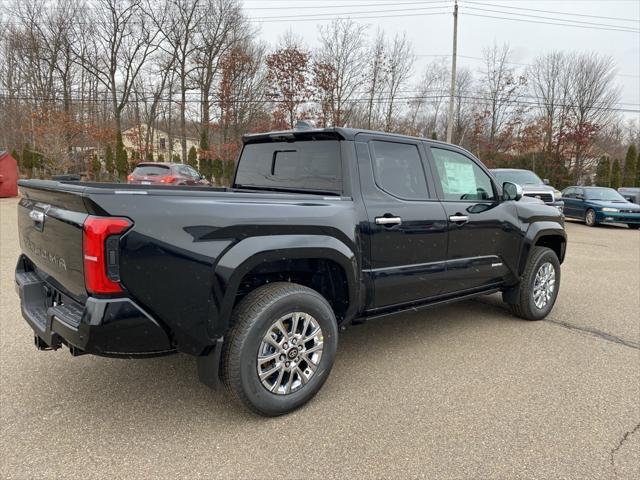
(50, 230)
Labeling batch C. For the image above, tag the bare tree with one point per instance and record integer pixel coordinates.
(400, 65)
(123, 39)
(592, 97)
(184, 21)
(501, 88)
(375, 75)
(225, 27)
(341, 49)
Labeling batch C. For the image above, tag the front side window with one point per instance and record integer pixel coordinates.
(398, 170)
(461, 177)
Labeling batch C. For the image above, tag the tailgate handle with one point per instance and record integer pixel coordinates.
(36, 216)
(38, 219)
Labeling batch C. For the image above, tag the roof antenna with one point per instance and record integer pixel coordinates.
(304, 125)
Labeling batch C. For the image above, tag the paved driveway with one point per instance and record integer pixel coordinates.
(464, 391)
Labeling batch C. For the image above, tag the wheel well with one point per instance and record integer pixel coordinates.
(324, 276)
(555, 243)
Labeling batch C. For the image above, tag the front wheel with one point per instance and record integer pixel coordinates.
(633, 226)
(280, 348)
(590, 218)
(538, 288)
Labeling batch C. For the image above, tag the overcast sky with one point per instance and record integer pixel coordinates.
(431, 31)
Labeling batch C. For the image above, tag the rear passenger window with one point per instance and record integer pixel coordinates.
(398, 170)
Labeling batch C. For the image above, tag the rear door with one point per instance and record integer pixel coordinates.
(406, 223)
(483, 238)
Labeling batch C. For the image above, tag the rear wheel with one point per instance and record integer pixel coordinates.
(280, 349)
(538, 288)
(590, 218)
(633, 226)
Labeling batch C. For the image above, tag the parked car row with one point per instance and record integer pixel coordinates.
(532, 185)
(597, 205)
(594, 205)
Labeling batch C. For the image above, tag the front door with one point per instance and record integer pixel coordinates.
(406, 227)
(483, 242)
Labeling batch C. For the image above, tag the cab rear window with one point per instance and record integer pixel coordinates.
(300, 165)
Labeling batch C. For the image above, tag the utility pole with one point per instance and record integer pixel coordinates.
(453, 72)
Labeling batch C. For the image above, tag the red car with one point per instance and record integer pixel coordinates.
(157, 173)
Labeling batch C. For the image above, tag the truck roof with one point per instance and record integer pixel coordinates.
(338, 133)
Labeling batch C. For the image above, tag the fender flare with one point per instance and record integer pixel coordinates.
(537, 231)
(245, 255)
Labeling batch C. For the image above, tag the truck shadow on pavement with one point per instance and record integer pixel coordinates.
(169, 385)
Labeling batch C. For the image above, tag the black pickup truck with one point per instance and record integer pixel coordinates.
(321, 229)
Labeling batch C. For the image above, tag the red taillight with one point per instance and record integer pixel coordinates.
(130, 178)
(168, 179)
(100, 259)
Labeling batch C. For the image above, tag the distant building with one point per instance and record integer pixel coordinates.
(134, 141)
(8, 175)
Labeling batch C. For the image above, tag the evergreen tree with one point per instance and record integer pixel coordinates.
(637, 182)
(206, 168)
(175, 158)
(616, 174)
(192, 157)
(160, 157)
(27, 162)
(629, 176)
(149, 157)
(96, 167)
(434, 136)
(15, 155)
(217, 170)
(602, 172)
(122, 162)
(228, 167)
(108, 160)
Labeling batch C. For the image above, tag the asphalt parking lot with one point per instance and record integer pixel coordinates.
(464, 391)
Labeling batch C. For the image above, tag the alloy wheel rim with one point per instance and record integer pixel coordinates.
(290, 353)
(544, 285)
(590, 217)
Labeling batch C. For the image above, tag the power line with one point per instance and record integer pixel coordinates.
(550, 23)
(510, 63)
(581, 22)
(469, 99)
(571, 14)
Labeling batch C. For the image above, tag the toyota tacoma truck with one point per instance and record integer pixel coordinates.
(320, 229)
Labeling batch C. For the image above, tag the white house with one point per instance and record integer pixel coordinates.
(134, 141)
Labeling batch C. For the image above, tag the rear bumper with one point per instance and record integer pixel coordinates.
(110, 327)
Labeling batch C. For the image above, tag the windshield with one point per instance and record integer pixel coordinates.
(607, 194)
(519, 177)
(312, 166)
(150, 170)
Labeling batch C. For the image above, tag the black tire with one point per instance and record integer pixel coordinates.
(633, 226)
(524, 305)
(251, 320)
(590, 218)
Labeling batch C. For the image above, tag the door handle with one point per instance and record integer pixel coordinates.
(459, 218)
(388, 221)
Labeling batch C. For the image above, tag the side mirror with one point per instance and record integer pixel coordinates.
(545, 181)
(511, 191)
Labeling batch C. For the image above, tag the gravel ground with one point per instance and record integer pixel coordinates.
(464, 391)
